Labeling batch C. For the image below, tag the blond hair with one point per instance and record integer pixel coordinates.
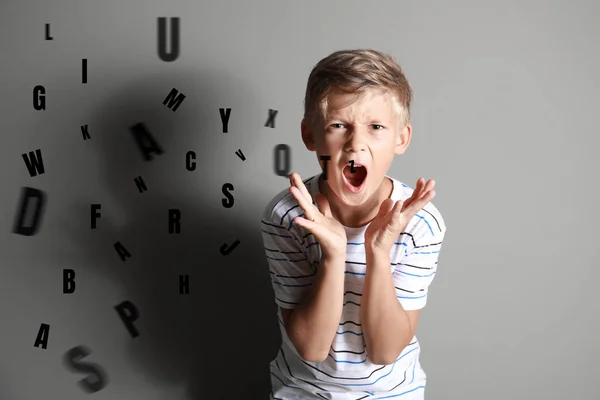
(356, 71)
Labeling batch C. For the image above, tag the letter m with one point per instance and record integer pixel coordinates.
(174, 100)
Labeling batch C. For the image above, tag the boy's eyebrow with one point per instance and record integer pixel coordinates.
(371, 119)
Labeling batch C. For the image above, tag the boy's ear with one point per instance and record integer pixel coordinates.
(307, 136)
(403, 139)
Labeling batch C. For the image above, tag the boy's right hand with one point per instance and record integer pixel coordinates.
(328, 231)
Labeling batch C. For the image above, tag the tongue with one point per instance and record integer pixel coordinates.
(357, 177)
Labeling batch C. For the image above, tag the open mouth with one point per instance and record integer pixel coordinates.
(355, 180)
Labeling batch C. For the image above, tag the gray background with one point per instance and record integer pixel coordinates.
(504, 117)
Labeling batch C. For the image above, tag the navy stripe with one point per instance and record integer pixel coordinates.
(292, 375)
(293, 276)
(287, 259)
(434, 218)
(283, 284)
(346, 302)
(283, 252)
(414, 266)
(288, 302)
(286, 213)
(271, 224)
(276, 234)
(413, 240)
(290, 371)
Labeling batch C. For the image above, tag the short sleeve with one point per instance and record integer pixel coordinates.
(291, 272)
(418, 263)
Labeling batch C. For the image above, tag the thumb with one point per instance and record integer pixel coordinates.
(385, 207)
(313, 227)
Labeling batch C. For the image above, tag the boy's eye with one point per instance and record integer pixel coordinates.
(339, 125)
(377, 127)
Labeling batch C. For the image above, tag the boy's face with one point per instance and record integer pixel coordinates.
(366, 131)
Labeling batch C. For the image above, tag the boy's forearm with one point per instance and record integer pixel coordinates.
(315, 321)
(386, 327)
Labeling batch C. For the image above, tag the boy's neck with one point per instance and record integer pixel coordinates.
(354, 217)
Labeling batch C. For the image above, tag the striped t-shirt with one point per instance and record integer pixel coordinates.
(293, 256)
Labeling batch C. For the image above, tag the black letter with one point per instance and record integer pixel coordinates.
(240, 154)
(95, 215)
(48, 37)
(28, 193)
(184, 284)
(139, 182)
(85, 133)
(174, 101)
(226, 250)
(122, 251)
(129, 317)
(72, 361)
(68, 281)
(225, 118)
(39, 100)
(189, 164)
(326, 163)
(174, 220)
(140, 133)
(84, 70)
(42, 336)
(286, 169)
(34, 162)
(352, 166)
(271, 120)
(227, 204)
(162, 39)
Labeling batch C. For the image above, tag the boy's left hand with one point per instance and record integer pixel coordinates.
(393, 218)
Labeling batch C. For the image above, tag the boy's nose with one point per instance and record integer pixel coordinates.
(356, 141)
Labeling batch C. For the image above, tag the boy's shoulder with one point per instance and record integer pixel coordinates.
(284, 206)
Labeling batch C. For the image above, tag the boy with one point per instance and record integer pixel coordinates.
(352, 251)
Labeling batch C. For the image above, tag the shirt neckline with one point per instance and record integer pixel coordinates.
(314, 189)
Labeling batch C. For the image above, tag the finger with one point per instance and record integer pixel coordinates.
(426, 186)
(303, 222)
(421, 190)
(429, 186)
(385, 207)
(420, 185)
(311, 226)
(297, 181)
(417, 192)
(418, 205)
(396, 213)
